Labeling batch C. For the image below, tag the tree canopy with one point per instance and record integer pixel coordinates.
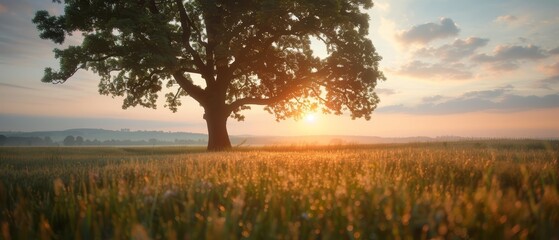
(248, 52)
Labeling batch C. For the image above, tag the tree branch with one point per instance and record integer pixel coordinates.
(153, 7)
(190, 69)
(284, 94)
(256, 101)
(193, 90)
(186, 32)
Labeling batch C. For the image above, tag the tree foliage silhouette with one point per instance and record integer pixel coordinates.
(248, 52)
(69, 141)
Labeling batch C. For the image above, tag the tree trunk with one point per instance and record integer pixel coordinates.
(218, 138)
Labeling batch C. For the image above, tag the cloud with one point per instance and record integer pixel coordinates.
(548, 83)
(385, 91)
(523, 39)
(433, 98)
(554, 51)
(15, 86)
(488, 94)
(506, 19)
(428, 32)
(499, 99)
(458, 50)
(552, 69)
(508, 53)
(502, 66)
(438, 71)
(3, 8)
(507, 57)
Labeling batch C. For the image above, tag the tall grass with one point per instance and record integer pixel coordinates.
(479, 190)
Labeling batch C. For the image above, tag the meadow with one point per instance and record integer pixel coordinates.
(501, 189)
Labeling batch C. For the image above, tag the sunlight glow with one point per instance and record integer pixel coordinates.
(310, 118)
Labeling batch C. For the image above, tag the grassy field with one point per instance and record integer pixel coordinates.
(460, 190)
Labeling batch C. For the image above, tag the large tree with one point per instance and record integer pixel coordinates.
(248, 52)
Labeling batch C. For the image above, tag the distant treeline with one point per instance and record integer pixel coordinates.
(80, 141)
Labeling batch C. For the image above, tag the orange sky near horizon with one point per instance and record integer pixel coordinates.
(541, 123)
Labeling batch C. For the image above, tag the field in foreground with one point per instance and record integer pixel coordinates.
(477, 190)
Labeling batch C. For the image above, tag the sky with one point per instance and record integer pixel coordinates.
(479, 68)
